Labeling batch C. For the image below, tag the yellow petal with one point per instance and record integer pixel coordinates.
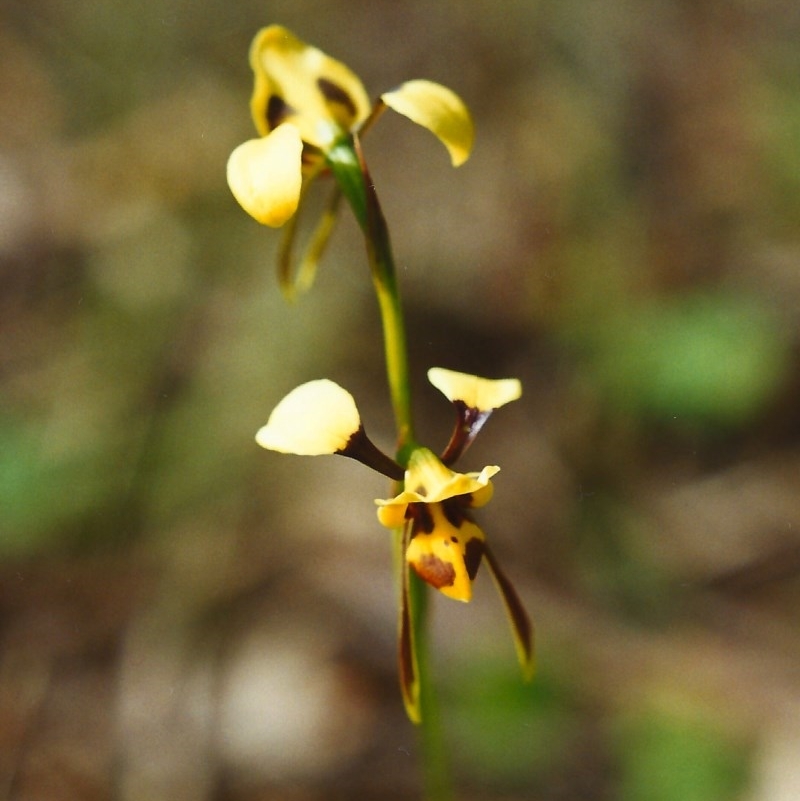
(316, 418)
(430, 481)
(483, 394)
(265, 175)
(427, 480)
(447, 557)
(438, 109)
(298, 83)
(392, 515)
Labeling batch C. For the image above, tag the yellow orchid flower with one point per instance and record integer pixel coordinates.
(445, 547)
(299, 88)
(441, 541)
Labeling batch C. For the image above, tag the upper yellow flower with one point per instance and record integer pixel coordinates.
(320, 101)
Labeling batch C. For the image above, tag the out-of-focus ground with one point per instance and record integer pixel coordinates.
(185, 616)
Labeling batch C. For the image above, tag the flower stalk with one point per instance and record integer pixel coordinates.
(311, 113)
(421, 702)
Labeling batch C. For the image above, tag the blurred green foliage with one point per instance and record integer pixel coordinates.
(703, 359)
(506, 733)
(663, 757)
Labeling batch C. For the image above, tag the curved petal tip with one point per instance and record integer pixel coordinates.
(438, 109)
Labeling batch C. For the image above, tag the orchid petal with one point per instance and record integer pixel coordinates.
(448, 556)
(299, 83)
(265, 175)
(316, 418)
(483, 394)
(429, 481)
(438, 109)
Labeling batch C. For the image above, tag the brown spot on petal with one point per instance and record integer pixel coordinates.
(455, 511)
(473, 553)
(436, 572)
(334, 93)
(277, 111)
(423, 519)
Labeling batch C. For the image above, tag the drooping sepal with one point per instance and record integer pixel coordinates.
(296, 282)
(521, 627)
(408, 669)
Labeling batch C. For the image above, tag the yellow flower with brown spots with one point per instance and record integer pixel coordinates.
(434, 506)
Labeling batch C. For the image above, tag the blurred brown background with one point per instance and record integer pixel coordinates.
(184, 616)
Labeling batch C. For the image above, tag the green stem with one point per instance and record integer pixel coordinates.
(348, 165)
(437, 780)
(351, 173)
(394, 341)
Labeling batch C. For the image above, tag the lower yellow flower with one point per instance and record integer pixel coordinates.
(445, 546)
(432, 512)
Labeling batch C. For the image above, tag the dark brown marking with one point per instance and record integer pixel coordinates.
(454, 510)
(277, 111)
(423, 519)
(473, 553)
(334, 93)
(436, 572)
(361, 448)
(469, 422)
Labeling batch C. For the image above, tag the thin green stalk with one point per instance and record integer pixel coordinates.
(347, 163)
(436, 773)
(437, 779)
(394, 341)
